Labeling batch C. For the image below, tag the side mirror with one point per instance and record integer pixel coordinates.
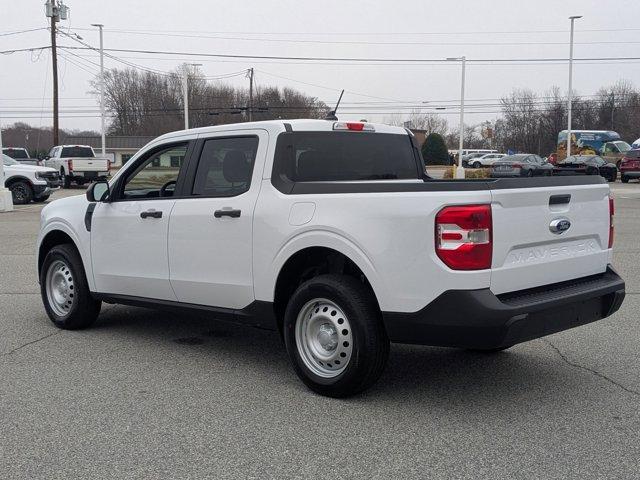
(98, 192)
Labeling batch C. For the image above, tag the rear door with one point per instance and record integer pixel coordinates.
(211, 231)
(528, 248)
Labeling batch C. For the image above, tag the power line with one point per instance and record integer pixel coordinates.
(359, 42)
(354, 59)
(6, 34)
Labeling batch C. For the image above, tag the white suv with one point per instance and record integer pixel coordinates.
(29, 182)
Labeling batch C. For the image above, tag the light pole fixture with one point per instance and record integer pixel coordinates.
(102, 126)
(459, 173)
(573, 18)
(185, 90)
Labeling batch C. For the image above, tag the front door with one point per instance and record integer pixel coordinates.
(129, 233)
(210, 233)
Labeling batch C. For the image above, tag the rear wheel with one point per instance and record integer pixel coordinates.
(334, 335)
(21, 192)
(624, 179)
(64, 289)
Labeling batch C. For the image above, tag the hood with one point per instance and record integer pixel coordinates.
(27, 168)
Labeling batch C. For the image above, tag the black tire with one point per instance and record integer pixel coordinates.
(624, 179)
(370, 344)
(66, 181)
(21, 192)
(42, 199)
(83, 308)
(477, 165)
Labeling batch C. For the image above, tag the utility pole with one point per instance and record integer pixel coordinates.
(6, 201)
(459, 173)
(570, 93)
(185, 91)
(613, 106)
(250, 73)
(56, 10)
(102, 132)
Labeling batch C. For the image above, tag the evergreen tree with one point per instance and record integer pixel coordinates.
(434, 150)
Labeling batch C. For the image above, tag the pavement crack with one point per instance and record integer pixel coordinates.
(590, 370)
(10, 352)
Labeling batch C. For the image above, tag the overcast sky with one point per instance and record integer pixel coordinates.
(498, 29)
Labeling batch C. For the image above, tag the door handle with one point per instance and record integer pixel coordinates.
(151, 213)
(227, 213)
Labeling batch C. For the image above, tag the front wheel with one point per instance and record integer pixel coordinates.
(64, 289)
(624, 179)
(477, 165)
(334, 335)
(21, 192)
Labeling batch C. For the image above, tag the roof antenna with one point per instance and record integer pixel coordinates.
(332, 114)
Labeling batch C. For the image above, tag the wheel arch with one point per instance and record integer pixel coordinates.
(18, 178)
(59, 234)
(310, 261)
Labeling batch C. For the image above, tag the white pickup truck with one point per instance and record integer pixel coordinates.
(77, 163)
(332, 234)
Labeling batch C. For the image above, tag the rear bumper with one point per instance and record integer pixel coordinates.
(630, 173)
(479, 319)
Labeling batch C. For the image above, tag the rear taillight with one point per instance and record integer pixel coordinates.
(517, 165)
(70, 165)
(464, 237)
(612, 211)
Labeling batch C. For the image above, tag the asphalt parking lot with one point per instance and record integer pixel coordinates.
(146, 394)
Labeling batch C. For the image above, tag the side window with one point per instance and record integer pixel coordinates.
(225, 166)
(156, 176)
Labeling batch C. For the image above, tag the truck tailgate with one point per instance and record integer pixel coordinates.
(90, 164)
(546, 235)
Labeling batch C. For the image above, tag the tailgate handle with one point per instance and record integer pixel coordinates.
(559, 199)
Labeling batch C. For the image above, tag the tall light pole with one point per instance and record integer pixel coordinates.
(185, 91)
(460, 168)
(6, 202)
(569, 94)
(102, 134)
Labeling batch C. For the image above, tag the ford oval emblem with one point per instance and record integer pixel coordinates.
(559, 225)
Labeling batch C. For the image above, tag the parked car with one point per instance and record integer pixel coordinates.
(630, 165)
(587, 165)
(486, 160)
(613, 152)
(77, 163)
(20, 154)
(470, 156)
(330, 233)
(636, 144)
(521, 165)
(29, 182)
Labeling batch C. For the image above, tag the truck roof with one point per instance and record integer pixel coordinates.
(278, 126)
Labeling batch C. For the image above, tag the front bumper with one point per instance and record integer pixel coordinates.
(481, 320)
(630, 173)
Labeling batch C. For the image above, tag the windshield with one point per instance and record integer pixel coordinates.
(623, 146)
(7, 160)
(16, 152)
(76, 152)
(345, 156)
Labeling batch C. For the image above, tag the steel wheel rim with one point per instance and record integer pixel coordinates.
(324, 338)
(60, 287)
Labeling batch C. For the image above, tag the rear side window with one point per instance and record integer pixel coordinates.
(18, 153)
(76, 152)
(345, 156)
(225, 166)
